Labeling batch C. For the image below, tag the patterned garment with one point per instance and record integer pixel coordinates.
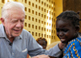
(73, 49)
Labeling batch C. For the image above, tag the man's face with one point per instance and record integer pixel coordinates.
(65, 30)
(14, 23)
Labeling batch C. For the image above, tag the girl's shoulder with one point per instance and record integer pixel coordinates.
(76, 42)
(73, 48)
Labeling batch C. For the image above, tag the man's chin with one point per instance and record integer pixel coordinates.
(15, 35)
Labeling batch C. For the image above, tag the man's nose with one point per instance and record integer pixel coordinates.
(18, 24)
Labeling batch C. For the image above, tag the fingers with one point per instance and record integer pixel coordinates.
(61, 45)
(41, 56)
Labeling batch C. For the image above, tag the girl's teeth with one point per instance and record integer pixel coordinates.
(62, 39)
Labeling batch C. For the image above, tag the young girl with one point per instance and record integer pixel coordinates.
(67, 26)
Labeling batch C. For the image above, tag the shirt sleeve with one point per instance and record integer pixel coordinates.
(35, 49)
(55, 51)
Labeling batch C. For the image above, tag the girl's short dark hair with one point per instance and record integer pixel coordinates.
(72, 16)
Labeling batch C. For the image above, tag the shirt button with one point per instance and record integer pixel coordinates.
(12, 53)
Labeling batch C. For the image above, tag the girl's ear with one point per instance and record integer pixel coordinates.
(77, 28)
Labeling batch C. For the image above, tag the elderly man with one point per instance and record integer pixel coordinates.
(15, 42)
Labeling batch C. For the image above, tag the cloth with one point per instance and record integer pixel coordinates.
(22, 45)
(52, 45)
(73, 49)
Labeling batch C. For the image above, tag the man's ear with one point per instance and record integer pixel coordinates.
(2, 20)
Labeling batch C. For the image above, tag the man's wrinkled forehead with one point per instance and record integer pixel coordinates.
(16, 12)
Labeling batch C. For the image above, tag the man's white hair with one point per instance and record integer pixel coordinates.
(11, 5)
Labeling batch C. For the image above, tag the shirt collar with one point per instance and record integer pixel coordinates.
(2, 32)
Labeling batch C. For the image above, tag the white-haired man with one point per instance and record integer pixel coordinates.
(15, 42)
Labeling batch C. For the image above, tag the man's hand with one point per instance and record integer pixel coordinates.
(41, 56)
(61, 45)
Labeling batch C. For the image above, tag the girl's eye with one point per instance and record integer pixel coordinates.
(57, 30)
(65, 30)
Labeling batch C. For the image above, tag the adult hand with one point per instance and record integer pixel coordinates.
(61, 45)
(41, 56)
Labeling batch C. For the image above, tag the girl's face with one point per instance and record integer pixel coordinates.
(65, 30)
